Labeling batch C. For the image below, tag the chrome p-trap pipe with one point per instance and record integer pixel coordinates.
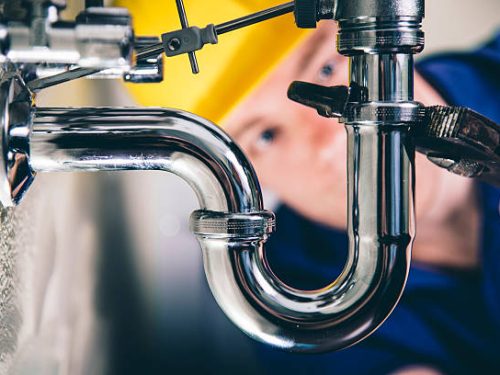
(231, 225)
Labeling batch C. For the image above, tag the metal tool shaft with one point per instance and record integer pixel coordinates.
(252, 19)
(232, 25)
(70, 75)
(181, 9)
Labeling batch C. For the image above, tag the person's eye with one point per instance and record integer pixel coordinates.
(266, 138)
(326, 72)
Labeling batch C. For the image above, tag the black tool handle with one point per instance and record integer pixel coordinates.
(94, 3)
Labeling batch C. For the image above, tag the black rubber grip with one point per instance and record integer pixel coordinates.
(306, 13)
(94, 3)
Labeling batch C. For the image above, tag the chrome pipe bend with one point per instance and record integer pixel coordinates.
(232, 226)
(118, 139)
(381, 232)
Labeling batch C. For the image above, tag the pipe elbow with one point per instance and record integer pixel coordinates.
(380, 229)
(266, 309)
(232, 226)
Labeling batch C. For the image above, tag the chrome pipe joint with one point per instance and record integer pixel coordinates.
(378, 110)
(232, 225)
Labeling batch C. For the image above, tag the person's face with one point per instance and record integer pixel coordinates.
(301, 156)
(298, 154)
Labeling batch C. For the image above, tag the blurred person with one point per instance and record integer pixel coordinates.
(448, 319)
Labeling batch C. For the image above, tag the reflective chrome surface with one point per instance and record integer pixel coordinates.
(381, 26)
(38, 37)
(352, 307)
(100, 139)
(386, 77)
(15, 108)
(357, 9)
(232, 227)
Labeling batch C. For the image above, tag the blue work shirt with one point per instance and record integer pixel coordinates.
(447, 319)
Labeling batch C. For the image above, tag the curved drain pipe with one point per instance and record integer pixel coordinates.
(231, 225)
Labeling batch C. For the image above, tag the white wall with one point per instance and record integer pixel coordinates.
(458, 24)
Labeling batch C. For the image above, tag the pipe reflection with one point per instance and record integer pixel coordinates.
(232, 226)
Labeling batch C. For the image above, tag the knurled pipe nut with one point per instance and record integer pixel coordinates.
(380, 40)
(222, 224)
(381, 113)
